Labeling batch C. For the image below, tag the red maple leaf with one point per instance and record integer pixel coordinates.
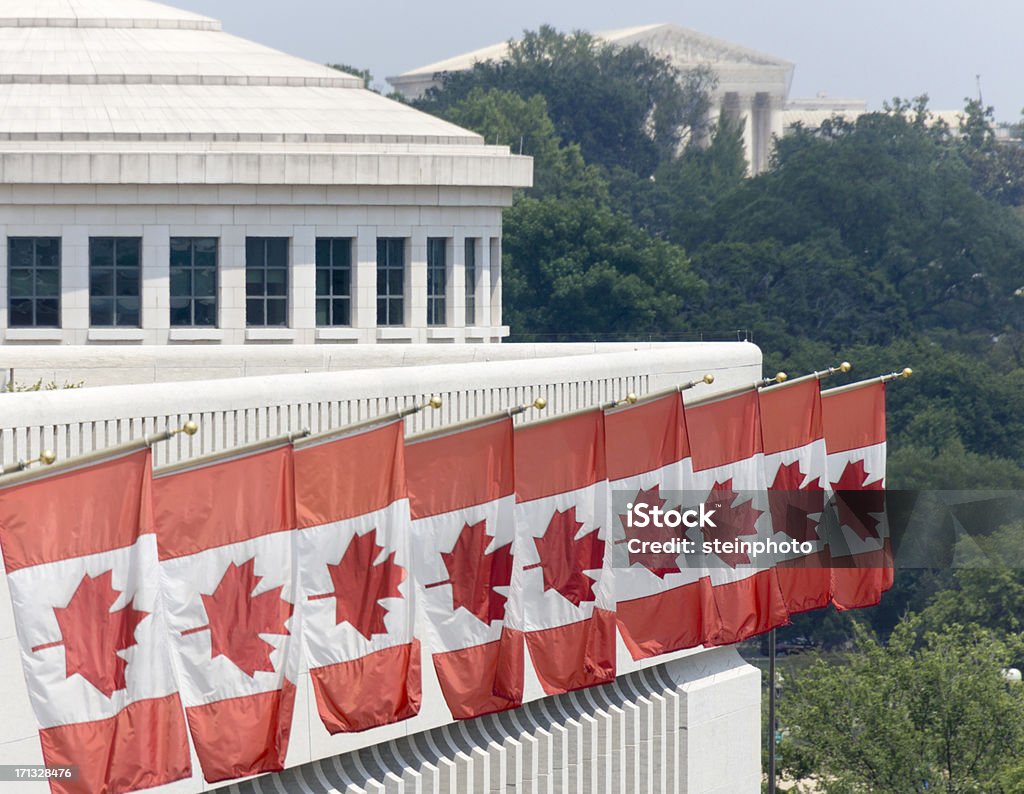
(92, 635)
(658, 563)
(360, 584)
(474, 573)
(564, 557)
(731, 522)
(857, 501)
(792, 505)
(238, 618)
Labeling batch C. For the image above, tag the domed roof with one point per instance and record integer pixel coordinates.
(134, 70)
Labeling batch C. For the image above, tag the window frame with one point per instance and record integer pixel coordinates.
(330, 298)
(113, 297)
(191, 295)
(437, 281)
(394, 305)
(36, 297)
(471, 275)
(264, 297)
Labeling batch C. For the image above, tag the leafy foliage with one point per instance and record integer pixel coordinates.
(625, 107)
(916, 715)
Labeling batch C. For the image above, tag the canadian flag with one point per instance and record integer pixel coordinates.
(353, 543)
(81, 562)
(861, 556)
(728, 463)
(562, 587)
(225, 537)
(794, 462)
(462, 497)
(649, 464)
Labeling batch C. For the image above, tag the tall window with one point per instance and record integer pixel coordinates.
(334, 281)
(115, 265)
(471, 243)
(33, 269)
(266, 281)
(436, 280)
(194, 281)
(390, 281)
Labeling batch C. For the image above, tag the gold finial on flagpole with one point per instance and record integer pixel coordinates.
(433, 402)
(540, 404)
(631, 398)
(708, 379)
(846, 366)
(907, 372)
(46, 457)
(781, 377)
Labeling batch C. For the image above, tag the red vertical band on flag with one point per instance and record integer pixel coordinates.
(498, 664)
(227, 502)
(142, 746)
(645, 437)
(791, 416)
(854, 419)
(243, 736)
(478, 467)
(576, 655)
(724, 431)
(749, 606)
(647, 632)
(377, 689)
(560, 455)
(84, 511)
(349, 476)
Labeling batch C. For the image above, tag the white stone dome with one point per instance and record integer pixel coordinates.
(133, 70)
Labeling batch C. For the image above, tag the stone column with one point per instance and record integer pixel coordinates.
(74, 282)
(494, 267)
(364, 280)
(302, 290)
(416, 280)
(231, 278)
(156, 283)
(456, 282)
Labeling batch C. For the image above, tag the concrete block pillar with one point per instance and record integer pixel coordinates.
(364, 279)
(416, 280)
(303, 283)
(156, 282)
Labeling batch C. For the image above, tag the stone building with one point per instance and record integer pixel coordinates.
(162, 181)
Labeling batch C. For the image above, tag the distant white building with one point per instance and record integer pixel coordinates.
(162, 181)
(752, 86)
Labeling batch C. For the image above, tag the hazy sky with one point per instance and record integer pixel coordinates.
(870, 49)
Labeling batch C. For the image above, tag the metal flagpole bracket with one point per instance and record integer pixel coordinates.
(539, 404)
(46, 457)
(906, 372)
(820, 374)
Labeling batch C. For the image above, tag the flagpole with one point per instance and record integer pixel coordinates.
(19, 473)
(228, 454)
(708, 379)
(844, 367)
(540, 404)
(328, 435)
(906, 372)
(779, 377)
(771, 712)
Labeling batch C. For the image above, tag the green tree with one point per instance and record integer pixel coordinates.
(572, 266)
(911, 716)
(624, 106)
(502, 117)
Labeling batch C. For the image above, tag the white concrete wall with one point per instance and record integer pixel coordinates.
(231, 213)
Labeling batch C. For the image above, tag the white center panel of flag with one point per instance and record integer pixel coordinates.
(125, 582)
(198, 586)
